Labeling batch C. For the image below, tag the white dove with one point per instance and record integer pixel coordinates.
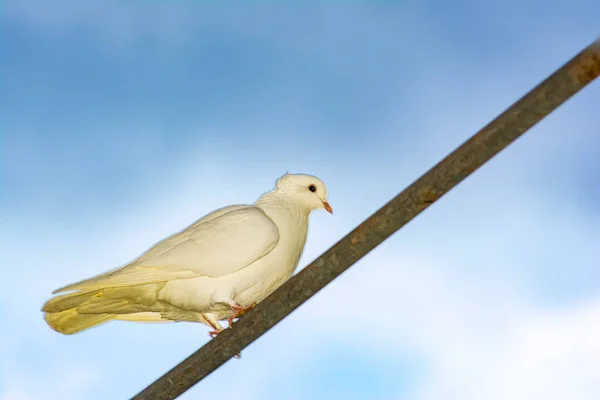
(215, 269)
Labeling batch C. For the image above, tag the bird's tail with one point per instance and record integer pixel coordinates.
(69, 322)
(61, 313)
(75, 312)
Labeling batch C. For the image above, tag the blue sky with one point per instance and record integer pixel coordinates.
(123, 121)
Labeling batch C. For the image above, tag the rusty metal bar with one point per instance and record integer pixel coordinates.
(479, 149)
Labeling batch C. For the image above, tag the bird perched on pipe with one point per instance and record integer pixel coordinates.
(213, 270)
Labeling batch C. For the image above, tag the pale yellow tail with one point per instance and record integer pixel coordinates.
(75, 312)
(69, 322)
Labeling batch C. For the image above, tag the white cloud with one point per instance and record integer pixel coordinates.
(465, 309)
(543, 355)
(478, 337)
(477, 325)
(65, 383)
(468, 310)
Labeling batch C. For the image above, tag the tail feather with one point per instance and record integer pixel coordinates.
(106, 306)
(67, 301)
(69, 321)
(142, 317)
(71, 313)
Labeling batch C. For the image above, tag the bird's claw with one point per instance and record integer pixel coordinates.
(239, 311)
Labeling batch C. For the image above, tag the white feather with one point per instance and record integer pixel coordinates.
(235, 255)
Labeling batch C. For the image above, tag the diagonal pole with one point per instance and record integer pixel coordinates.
(510, 125)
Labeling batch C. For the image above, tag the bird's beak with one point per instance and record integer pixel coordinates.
(327, 207)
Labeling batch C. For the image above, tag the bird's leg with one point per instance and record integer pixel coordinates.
(212, 321)
(239, 311)
(210, 318)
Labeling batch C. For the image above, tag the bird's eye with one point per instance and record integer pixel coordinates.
(312, 188)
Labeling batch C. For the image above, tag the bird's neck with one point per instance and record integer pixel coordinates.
(277, 201)
(291, 219)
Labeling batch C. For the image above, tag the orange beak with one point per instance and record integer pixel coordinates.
(327, 207)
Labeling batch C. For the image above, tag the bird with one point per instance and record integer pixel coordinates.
(215, 269)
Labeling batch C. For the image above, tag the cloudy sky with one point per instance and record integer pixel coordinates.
(124, 121)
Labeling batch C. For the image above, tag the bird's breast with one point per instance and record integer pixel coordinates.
(272, 270)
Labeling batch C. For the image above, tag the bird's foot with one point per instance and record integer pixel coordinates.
(239, 311)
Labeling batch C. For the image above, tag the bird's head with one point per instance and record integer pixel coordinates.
(306, 190)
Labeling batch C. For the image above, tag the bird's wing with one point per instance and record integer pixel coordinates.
(218, 244)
